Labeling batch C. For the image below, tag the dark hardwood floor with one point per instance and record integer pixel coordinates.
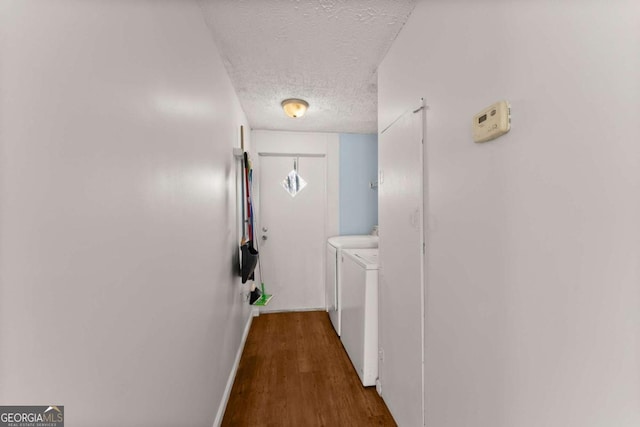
(295, 372)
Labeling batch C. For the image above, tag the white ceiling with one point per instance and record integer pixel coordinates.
(324, 51)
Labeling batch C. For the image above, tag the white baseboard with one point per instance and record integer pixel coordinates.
(234, 370)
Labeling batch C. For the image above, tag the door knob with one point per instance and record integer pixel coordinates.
(264, 237)
(265, 229)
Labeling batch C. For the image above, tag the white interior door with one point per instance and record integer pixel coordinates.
(291, 231)
(401, 303)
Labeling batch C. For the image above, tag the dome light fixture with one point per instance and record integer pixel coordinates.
(295, 108)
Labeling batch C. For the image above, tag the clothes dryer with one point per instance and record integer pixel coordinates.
(360, 311)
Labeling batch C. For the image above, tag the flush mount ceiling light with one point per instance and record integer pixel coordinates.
(295, 108)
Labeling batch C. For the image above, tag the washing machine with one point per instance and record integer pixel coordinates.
(360, 311)
(335, 246)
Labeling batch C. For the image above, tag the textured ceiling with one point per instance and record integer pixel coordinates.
(324, 51)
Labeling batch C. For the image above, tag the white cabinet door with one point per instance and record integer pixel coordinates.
(401, 268)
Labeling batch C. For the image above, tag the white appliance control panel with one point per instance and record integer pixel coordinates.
(492, 122)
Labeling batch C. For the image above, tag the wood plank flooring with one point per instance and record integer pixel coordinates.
(295, 372)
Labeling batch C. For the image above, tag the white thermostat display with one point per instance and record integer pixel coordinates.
(492, 122)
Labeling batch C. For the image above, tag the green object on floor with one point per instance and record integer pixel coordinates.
(264, 298)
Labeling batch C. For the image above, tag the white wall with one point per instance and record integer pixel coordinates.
(533, 296)
(118, 297)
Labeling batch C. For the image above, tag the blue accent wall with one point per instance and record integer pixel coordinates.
(358, 167)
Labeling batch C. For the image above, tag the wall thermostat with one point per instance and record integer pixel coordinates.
(492, 122)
